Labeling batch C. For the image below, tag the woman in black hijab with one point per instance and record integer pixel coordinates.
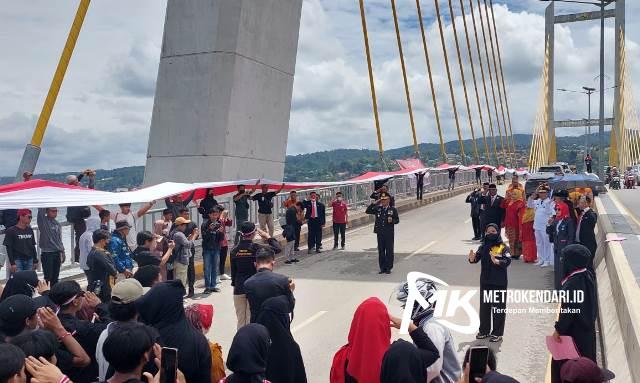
(402, 363)
(577, 319)
(495, 257)
(21, 283)
(285, 364)
(248, 355)
(162, 308)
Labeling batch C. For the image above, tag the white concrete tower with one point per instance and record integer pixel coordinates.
(223, 95)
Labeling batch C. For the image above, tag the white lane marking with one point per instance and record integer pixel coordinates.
(468, 220)
(623, 209)
(420, 250)
(308, 321)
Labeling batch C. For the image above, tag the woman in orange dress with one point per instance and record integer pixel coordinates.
(513, 206)
(527, 236)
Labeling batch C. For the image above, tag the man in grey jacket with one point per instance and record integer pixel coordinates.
(182, 251)
(50, 243)
(447, 368)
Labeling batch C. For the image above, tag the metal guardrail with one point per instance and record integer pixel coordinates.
(355, 195)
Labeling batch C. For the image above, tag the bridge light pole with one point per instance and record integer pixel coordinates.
(588, 91)
(601, 4)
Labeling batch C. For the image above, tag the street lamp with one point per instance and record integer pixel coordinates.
(602, 4)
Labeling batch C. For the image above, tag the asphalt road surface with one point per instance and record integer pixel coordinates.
(630, 198)
(434, 239)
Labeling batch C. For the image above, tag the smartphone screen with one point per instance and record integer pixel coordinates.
(169, 365)
(478, 358)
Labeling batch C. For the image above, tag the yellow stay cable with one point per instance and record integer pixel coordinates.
(371, 82)
(453, 98)
(484, 84)
(404, 77)
(493, 90)
(443, 152)
(504, 88)
(464, 82)
(475, 82)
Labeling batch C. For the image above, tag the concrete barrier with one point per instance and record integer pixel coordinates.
(618, 293)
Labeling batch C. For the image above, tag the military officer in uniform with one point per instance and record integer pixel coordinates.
(386, 219)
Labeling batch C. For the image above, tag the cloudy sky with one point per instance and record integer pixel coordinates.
(103, 112)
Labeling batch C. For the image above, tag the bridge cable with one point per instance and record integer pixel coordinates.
(371, 82)
(404, 77)
(484, 84)
(493, 91)
(464, 83)
(453, 98)
(443, 151)
(475, 82)
(504, 88)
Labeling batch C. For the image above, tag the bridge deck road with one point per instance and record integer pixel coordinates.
(434, 239)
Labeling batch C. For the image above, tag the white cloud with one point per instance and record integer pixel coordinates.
(103, 113)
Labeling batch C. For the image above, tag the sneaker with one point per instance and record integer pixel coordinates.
(216, 290)
(388, 272)
(482, 336)
(288, 261)
(538, 263)
(342, 248)
(335, 247)
(309, 251)
(206, 291)
(544, 264)
(495, 338)
(296, 249)
(225, 277)
(318, 251)
(295, 260)
(380, 272)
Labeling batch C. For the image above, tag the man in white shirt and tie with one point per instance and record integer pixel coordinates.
(315, 217)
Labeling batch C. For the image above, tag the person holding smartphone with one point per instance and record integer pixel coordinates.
(495, 257)
(480, 366)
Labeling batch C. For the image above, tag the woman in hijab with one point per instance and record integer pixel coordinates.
(527, 235)
(360, 360)
(285, 364)
(21, 283)
(514, 207)
(201, 317)
(495, 257)
(162, 308)
(577, 319)
(402, 363)
(248, 355)
(564, 228)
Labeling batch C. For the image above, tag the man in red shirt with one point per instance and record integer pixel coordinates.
(340, 219)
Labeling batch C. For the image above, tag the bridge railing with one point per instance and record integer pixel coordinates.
(357, 197)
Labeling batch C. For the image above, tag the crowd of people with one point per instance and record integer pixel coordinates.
(133, 309)
(553, 230)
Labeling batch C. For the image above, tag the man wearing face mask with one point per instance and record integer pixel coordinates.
(340, 220)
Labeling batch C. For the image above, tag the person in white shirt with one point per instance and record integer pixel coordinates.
(544, 211)
(125, 214)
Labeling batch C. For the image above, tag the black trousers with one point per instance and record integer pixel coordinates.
(588, 168)
(191, 271)
(223, 259)
(419, 190)
(296, 244)
(314, 236)
(488, 312)
(339, 228)
(477, 230)
(478, 180)
(385, 251)
(51, 266)
(78, 229)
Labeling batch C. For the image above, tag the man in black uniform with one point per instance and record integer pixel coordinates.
(243, 266)
(386, 219)
(420, 184)
(265, 284)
